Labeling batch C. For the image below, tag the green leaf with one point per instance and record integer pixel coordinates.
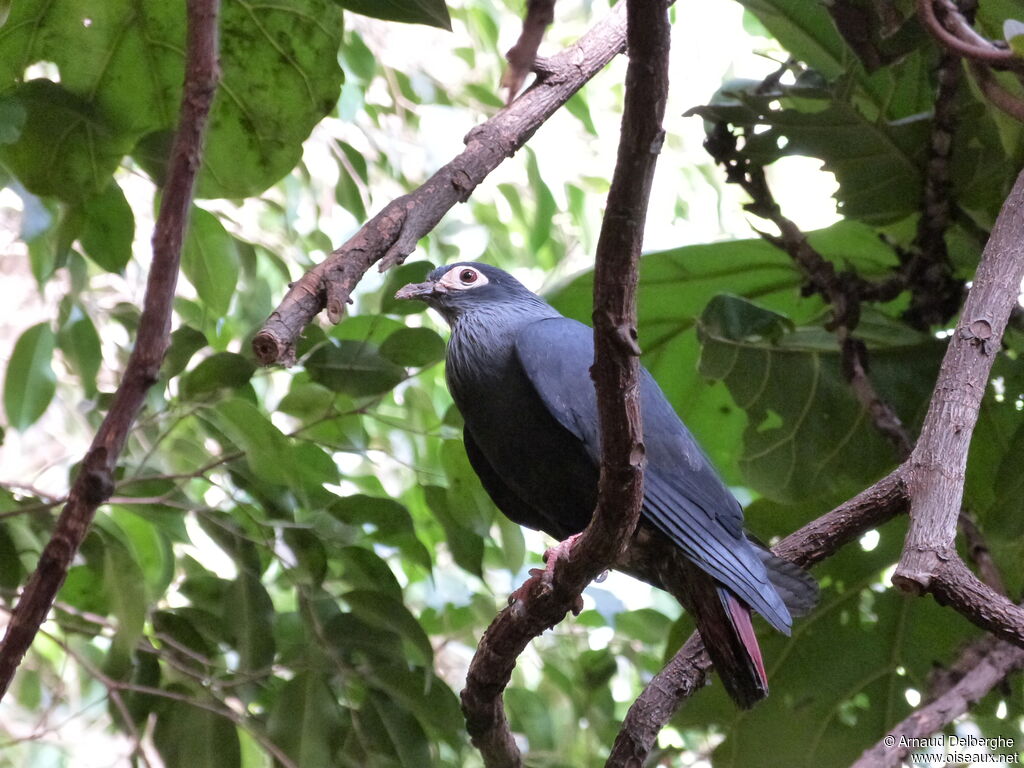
(210, 261)
(126, 587)
(407, 739)
(354, 368)
(108, 229)
(466, 545)
(385, 612)
(433, 13)
(305, 721)
(125, 70)
(187, 736)
(805, 30)
(185, 342)
(267, 451)
(79, 342)
(224, 369)
(363, 569)
(427, 697)
(413, 347)
(807, 436)
(249, 612)
(30, 381)
(67, 148)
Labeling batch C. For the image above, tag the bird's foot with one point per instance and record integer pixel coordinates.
(541, 578)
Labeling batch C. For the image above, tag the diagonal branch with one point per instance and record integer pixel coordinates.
(94, 483)
(616, 379)
(392, 234)
(1000, 660)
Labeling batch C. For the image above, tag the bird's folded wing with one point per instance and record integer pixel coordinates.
(683, 496)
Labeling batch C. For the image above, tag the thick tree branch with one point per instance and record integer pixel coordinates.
(94, 483)
(686, 672)
(616, 377)
(938, 464)
(392, 234)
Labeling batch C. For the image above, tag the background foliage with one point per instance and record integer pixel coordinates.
(296, 565)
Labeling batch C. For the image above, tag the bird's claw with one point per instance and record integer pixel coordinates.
(540, 581)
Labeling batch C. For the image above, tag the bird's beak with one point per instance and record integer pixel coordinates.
(419, 290)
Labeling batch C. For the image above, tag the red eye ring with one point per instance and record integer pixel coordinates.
(468, 276)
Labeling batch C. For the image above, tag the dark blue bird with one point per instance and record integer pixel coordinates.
(518, 372)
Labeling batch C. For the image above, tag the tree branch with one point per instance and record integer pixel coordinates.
(94, 483)
(616, 379)
(991, 669)
(937, 466)
(522, 55)
(686, 672)
(392, 234)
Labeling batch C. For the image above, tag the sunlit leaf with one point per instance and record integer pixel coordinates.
(30, 381)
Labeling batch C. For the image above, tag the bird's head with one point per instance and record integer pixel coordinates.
(457, 290)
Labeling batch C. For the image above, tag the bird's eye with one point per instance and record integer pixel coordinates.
(468, 276)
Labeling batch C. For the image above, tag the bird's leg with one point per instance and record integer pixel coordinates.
(540, 578)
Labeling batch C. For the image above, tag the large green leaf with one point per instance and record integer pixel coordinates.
(804, 29)
(224, 369)
(30, 381)
(354, 368)
(80, 344)
(124, 61)
(267, 451)
(249, 612)
(807, 436)
(68, 148)
(384, 612)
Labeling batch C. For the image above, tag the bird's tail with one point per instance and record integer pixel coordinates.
(725, 626)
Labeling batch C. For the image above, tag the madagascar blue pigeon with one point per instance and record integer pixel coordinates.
(518, 372)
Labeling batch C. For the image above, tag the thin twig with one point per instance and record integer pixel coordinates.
(94, 482)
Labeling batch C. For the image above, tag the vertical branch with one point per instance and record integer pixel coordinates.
(94, 483)
(938, 464)
(616, 376)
